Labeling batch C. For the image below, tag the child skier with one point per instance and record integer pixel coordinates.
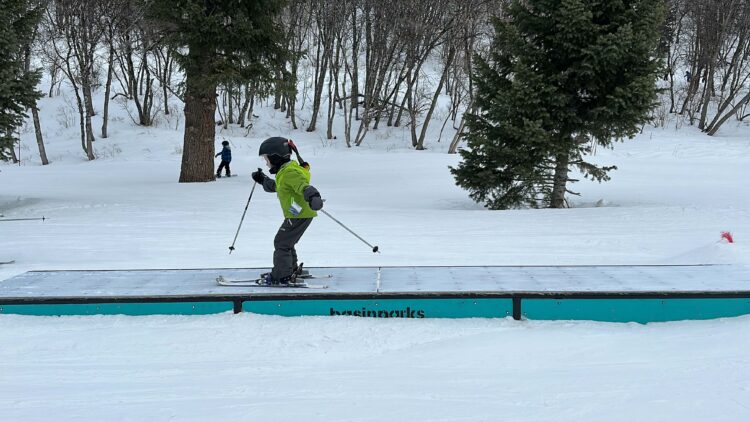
(226, 158)
(299, 201)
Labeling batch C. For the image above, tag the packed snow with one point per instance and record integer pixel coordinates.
(254, 367)
(674, 193)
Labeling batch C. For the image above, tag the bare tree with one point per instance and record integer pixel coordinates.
(715, 52)
(383, 49)
(75, 29)
(132, 51)
(116, 17)
(473, 39)
(297, 22)
(734, 71)
(325, 21)
(164, 71)
(35, 108)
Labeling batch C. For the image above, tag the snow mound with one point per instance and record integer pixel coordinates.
(721, 252)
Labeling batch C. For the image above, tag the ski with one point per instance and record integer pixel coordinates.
(7, 262)
(304, 277)
(258, 283)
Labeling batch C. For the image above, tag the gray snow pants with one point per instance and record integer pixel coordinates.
(284, 254)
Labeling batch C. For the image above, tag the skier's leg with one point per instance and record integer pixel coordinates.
(221, 166)
(284, 256)
(294, 258)
(229, 173)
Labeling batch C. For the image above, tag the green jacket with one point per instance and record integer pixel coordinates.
(291, 180)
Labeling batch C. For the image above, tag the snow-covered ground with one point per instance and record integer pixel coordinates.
(265, 368)
(674, 193)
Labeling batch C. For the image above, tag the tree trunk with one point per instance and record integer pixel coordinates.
(355, 62)
(107, 88)
(165, 75)
(559, 181)
(402, 107)
(692, 88)
(13, 155)
(347, 113)
(453, 148)
(422, 134)
(134, 80)
(230, 108)
(412, 105)
(35, 112)
(670, 76)
(707, 94)
(200, 128)
(87, 112)
(165, 89)
(39, 138)
(278, 91)
(245, 104)
(87, 97)
(54, 71)
(333, 91)
(292, 95)
(81, 120)
(320, 76)
(89, 137)
(148, 96)
(223, 110)
(715, 126)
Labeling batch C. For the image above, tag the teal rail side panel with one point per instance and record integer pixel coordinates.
(634, 310)
(137, 308)
(386, 308)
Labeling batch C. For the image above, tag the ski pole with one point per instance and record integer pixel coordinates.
(231, 248)
(374, 248)
(24, 219)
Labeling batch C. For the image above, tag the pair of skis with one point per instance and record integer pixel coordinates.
(301, 283)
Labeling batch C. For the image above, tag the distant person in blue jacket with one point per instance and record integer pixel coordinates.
(226, 158)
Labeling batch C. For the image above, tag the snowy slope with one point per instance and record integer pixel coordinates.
(673, 194)
(253, 367)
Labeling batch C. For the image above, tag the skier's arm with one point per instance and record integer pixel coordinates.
(269, 185)
(312, 196)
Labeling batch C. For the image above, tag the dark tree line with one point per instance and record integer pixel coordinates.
(367, 62)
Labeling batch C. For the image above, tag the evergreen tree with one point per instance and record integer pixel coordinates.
(216, 41)
(563, 76)
(18, 91)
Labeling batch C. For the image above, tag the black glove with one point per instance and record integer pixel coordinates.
(312, 196)
(259, 176)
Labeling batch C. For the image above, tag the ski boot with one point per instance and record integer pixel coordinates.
(300, 272)
(268, 280)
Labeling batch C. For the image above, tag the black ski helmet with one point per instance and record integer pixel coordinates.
(275, 146)
(225, 143)
(277, 150)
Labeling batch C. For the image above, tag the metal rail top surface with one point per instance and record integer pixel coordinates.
(385, 280)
